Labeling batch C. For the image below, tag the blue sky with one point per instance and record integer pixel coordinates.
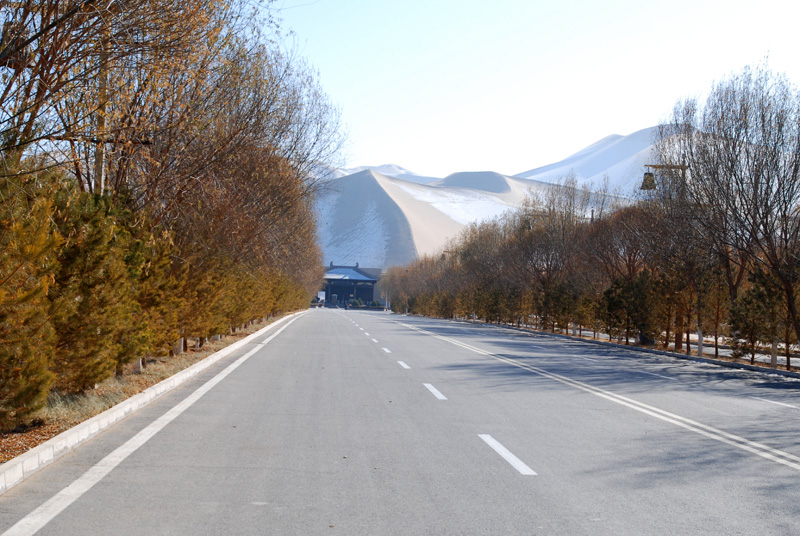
(440, 86)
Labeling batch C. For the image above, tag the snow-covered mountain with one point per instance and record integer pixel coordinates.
(621, 158)
(386, 215)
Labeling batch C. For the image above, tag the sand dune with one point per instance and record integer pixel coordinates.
(359, 222)
(621, 158)
(381, 219)
(487, 181)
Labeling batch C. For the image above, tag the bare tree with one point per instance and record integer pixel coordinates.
(60, 60)
(737, 164)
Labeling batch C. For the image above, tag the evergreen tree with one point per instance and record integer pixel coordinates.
(92, 302)
(27, 252)
(158, 293)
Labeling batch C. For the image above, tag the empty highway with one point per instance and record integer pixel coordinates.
(359, 423)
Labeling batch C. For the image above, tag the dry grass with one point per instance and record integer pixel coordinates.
(65, 411)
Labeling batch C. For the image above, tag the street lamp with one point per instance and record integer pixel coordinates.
(649, 180)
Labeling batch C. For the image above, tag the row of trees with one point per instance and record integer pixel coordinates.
(157, 175)
(713, 248)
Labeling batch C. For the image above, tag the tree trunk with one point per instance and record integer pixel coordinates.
(717, 320)
(699, 341)
(773, 362)
(787, 346)
(668, 333)
(627, 331)
(699, 331)
(790, 299)
(688, 341)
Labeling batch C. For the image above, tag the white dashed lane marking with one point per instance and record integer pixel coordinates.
(435, 391)
(515, 462)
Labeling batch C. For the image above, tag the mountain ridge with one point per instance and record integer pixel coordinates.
(382, 219)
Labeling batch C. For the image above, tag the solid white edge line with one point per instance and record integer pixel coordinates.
(759, 449)
(18, 469)
(41, 516)
(402, 364)
(506, 454)
(435, 391)
(773, 402)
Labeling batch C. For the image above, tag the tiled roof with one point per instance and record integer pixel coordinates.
(345, 273)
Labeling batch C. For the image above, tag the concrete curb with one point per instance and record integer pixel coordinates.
(15, 471)
(698, 359)
(710, 361)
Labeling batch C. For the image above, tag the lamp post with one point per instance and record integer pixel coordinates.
(649, 180)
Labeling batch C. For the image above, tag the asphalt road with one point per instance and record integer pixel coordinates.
(363, 423)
